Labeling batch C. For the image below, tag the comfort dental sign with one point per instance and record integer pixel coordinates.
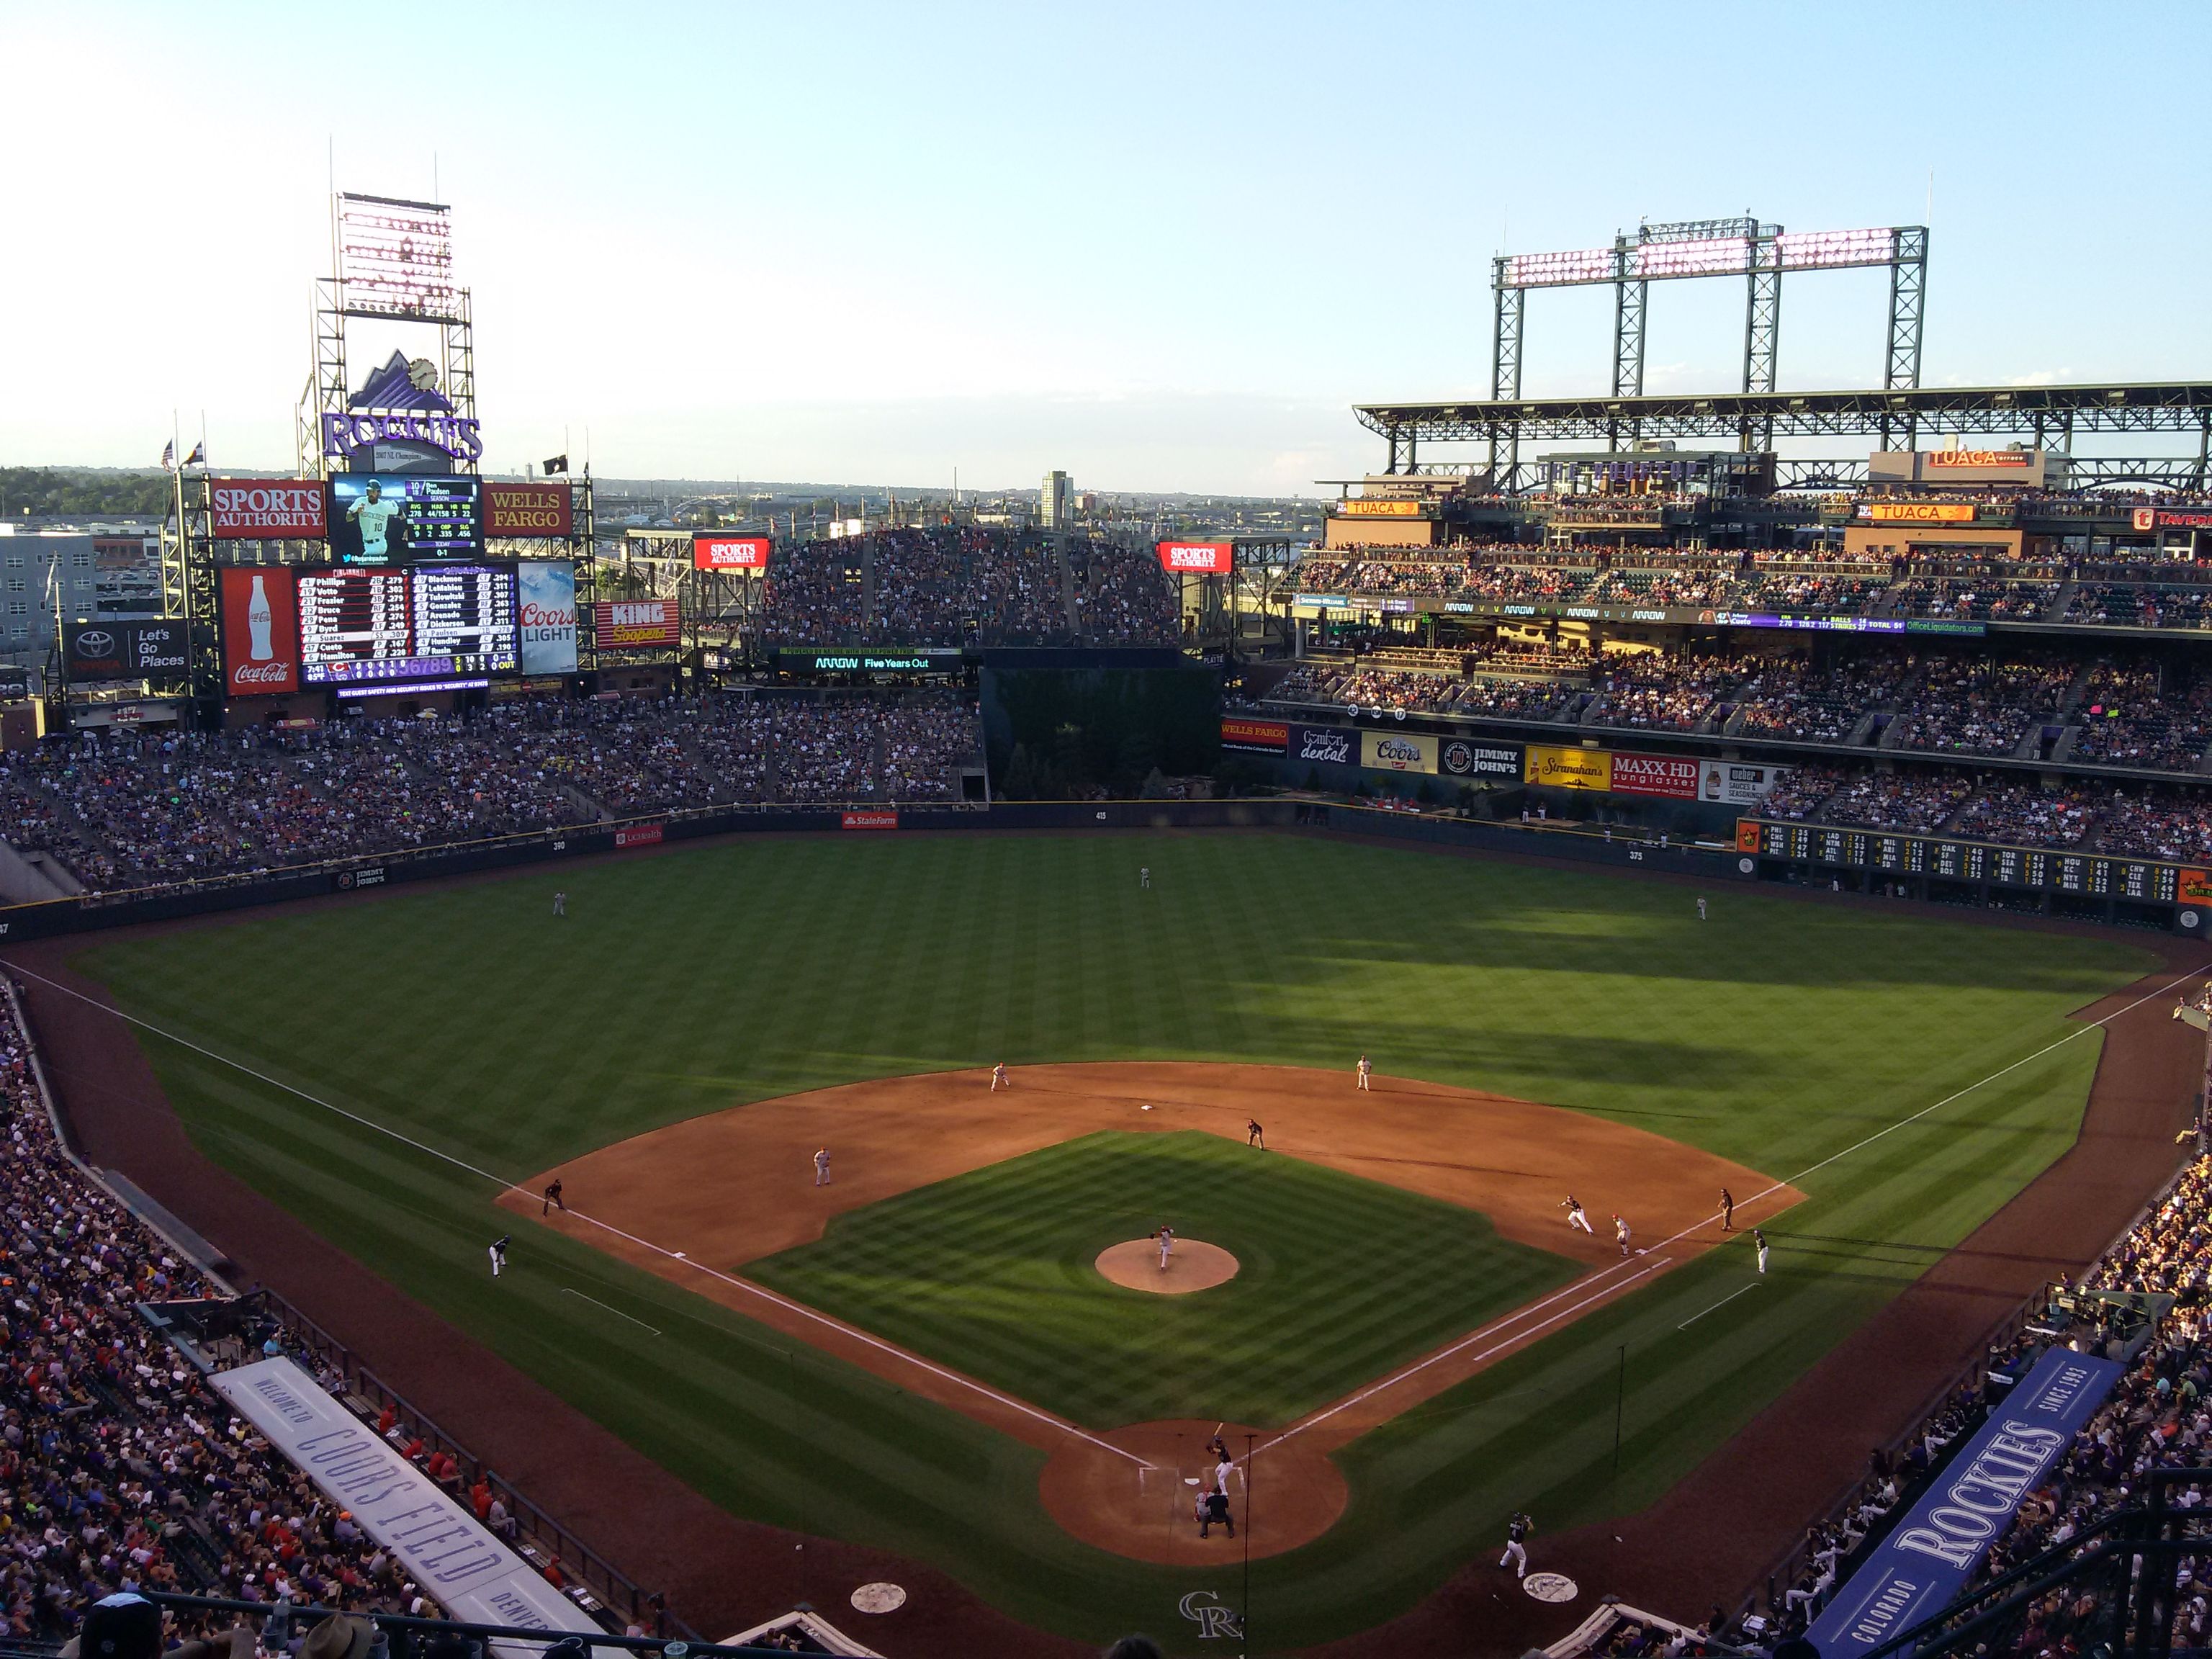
(1925, 1562)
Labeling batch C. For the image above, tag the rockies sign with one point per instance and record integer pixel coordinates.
(127, 650)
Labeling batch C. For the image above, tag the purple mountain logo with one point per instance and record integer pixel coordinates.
(392, 386)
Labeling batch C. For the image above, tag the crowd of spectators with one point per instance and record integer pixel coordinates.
(1660, 692)
(2158, 825)
(2143, 605)
(133, 809)
(119, 1468)
(1123, 597)
(1787, 698)
(1978, 706)
(1975, 599)
(2156, 1416)
(1909, 802)
(2026, 814)
(2128, 719)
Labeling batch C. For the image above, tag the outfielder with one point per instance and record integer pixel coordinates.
(1573, 1206)
(1365, 1071)
(1145, 876)
(1758, 1239)
(499, 1253)
(1701, 909)
(821, 1167)
(560, 904)
(1517, 1540)
(998, 1078)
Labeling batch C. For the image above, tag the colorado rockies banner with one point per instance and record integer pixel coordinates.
(1925, 1561)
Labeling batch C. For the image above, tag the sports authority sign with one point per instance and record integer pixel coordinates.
(1669, 775)
(1197, 558)
(269, 509)
(528, 509)
(729, 552)
(623, 625)
(1929, 1556)
(441, 1545)
(260, 631)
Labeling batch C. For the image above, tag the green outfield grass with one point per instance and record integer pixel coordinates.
(1338, 1280)
(1778, 1034)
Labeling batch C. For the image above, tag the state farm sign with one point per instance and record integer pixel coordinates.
(264, 509)
(1207, 558)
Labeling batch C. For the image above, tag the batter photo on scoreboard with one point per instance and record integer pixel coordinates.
(386, 519)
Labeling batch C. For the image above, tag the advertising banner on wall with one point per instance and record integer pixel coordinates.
(126, 650)
(1567, 769)
(1466, 757)
(260, 631)
(1397, 751)
(1257, 737)
(1917, 511)
(2158, 517)
(710, 552)
(528, 509)
(1927, 1557)
(1736, 785)
(1357, 508)
(1325, 746)
(1674, 777)
(632, 624)
(545, 616)
(1197, 558)
(277, 509)
(441, 1545)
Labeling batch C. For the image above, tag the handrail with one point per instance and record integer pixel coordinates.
(407, 1624)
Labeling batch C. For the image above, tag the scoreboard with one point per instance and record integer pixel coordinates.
(375, 627)
(2095, 874)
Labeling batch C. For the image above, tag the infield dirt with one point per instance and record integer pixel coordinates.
(696, 1200)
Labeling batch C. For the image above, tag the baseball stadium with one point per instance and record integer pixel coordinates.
(1606, 1057)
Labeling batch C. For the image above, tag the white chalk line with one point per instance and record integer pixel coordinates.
(1518, 1315)
(616, 1312)
(1723, 1303)
(1022, 1406)
(506, 1186)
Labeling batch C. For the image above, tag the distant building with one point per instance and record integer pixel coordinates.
(1053, 508)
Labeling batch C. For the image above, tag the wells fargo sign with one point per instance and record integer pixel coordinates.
(528, 509)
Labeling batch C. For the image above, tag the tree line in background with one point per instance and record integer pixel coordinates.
(42, 492)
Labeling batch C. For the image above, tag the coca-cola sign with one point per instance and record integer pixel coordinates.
(260, 631)
(267, 508)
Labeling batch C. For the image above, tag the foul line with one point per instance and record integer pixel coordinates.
(1594, 1282)
(506, 1186)
(1597, 1278)
(616, 1312)
(1723, 1303)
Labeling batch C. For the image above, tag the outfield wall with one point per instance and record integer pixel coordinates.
(1600, 846)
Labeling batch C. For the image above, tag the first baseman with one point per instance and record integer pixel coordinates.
(1574, 1216)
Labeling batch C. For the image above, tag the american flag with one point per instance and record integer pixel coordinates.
(169, 456)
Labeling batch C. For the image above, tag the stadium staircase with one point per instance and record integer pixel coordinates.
(1069, 596)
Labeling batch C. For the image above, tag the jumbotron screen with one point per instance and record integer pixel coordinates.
(400, 518)
(394, 626)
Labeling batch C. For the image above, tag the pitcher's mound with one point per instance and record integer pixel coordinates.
(1192, 1265)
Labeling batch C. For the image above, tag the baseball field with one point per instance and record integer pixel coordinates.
(1872, 1085)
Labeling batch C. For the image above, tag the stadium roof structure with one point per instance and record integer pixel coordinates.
(2051, 415)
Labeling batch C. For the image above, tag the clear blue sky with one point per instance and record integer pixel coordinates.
(1163, 246)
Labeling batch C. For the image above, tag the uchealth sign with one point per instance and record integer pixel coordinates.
(442, 1546)
(267, 509)
(1927, 1557)
(1197, 558)
(1397, 751)
(260, 631)
(528, 509)
(729, 552)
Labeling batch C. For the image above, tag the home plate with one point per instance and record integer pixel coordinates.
(1550, 1586)
(886, 1598)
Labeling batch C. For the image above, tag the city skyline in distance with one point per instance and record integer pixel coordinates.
(1176, 273)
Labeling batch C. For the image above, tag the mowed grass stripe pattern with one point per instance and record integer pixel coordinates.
(1777, 1033)
(1339, 1279)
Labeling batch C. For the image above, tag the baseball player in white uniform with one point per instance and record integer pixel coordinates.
(499, 1254)
(1167, 1245)
(1576, 1218)
(1366, 1071)
(1759, 1239)
(998, 1078)
(1516, 1539)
